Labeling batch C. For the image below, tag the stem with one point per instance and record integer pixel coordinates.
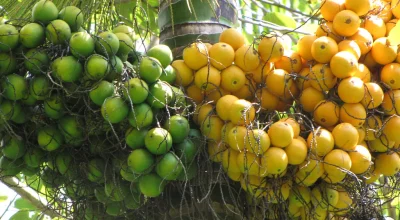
(272, 26)
(30, 195)
(280, 6)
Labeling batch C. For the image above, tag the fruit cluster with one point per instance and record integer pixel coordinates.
(89, 115)
(344, 78)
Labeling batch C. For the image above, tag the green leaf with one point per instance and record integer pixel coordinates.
(3, 198)
(281, 19)
(309, 27)
(302, 5)
(23, 204)
(153, 3)
(249, 37)
(395, 202)
(22, 214)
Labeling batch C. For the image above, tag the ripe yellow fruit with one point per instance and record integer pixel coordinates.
(387, 163)
(232, 79)
(376, 26)
(363, 73)
(364, 40)
(225, 131)
(215, 150)
(293, 210)
(249, 164)
(390, 25)
(372, 127)
(360, 7)
(296, 152)
(207, 78)
(385, 9)
(235, 176)
(337, 162)
(271, 48)
(380, 144)
(276, 193)
(247, 91)
(258, 141)
(291, 95)
(346, 23)
(361, 135)
(320, 142)
(304, 46)
(195, 56)
(310, 97)
(344, 204)
(295, 125)
(372, 177)
(222, 55)
(332, 179)
(238, 137)
(344, 64)
(278, 82)
(232, 37)
(259, 74)
(323, 197)
(274, 176)
(326, 29)
(211, 128)
(326, 113)
(202, 112)
(208, 45)
(247, 58)
(392, 128)
(184, 75)
(284, 105)
(215, 94)
(351, 90)
(373, 95)
(323, 49)
(351, 46)
(242, 112)
(354, 114)
(322, 78)
(391, 102)
(329, 8)
(281, 134)
(229, 161)
(383, 51)
(396, 8)
(195, 93)
(309, 172)
(303, 79)
(290, 62)
(274, 160)
(223, 104)
(268, 101)
(254, 185)
(299, 196)
(360, 159)
(390, 75)
(369, 61)
(345, 136)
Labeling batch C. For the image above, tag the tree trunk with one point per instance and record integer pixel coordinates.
(181, 24)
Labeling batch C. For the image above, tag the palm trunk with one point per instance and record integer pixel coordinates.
(182, 22)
